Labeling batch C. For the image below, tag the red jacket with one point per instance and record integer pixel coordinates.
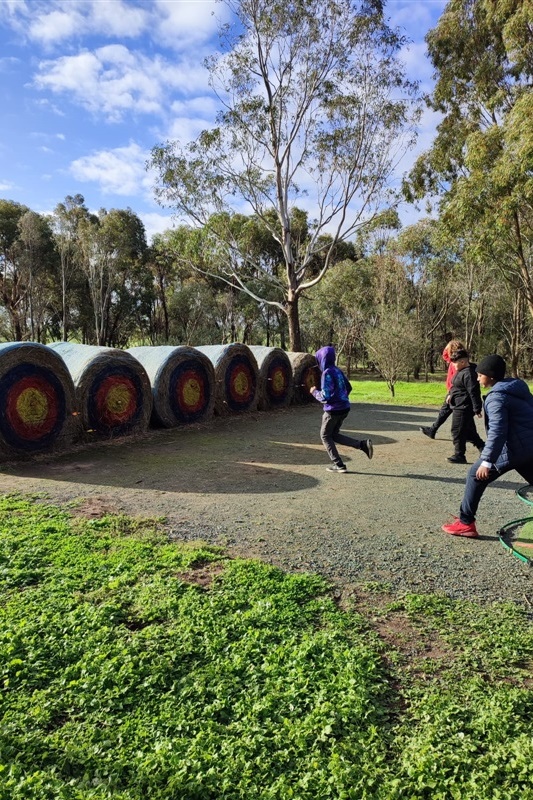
(452, 369)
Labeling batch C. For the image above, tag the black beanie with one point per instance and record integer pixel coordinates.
(492, 366)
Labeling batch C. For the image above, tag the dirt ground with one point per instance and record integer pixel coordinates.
(257, 485)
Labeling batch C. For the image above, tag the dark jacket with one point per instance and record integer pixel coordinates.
(465, 394)
(335, 387)
(509, 423)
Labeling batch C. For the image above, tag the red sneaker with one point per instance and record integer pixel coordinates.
(458, 528)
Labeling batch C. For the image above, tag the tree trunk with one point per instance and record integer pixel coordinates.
(293, 318)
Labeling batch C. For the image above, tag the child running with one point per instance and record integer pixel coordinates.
(334, 394)
(509, 424)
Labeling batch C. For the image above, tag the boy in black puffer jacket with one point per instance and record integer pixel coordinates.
(465, 400)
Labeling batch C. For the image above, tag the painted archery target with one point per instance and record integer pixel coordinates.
(112, 388)
(182, 380)
(305, 375)
(275, 377)
(236, 375)
(190, 391)
(240, 384)
(36, 398)
(115, 401)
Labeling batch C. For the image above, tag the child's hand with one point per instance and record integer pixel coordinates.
(312, 389)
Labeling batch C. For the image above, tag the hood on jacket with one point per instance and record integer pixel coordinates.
(513, 386)
(325, 357)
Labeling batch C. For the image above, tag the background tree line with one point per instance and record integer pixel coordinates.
(314, 91)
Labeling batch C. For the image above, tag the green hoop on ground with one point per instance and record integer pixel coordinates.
(517, 537)
(523, 493)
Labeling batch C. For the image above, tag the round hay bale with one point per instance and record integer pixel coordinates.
(305, 374)
(236, 377)
(112, 388)
(37, 400)
(275, 377)
(183, 383)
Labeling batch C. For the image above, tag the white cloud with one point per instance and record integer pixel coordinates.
(51, 23)
(155, 223)
(6, 186)
(121, 171)
(189, 21)
(114, 80)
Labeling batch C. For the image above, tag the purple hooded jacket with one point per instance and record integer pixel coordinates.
(335, 387)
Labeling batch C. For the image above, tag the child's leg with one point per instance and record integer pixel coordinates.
(471, 434)
(329, 429)
(458, 432)
(341, 438)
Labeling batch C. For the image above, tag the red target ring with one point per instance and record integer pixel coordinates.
(116, 401)
(32, 408)
(279, 382)
(190, 392)
(241, 385)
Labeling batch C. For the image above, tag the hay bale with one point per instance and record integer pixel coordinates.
(37, 400)
(305, 374)
(236, 377)
(112, 388)
(275, 377)
(183, 383)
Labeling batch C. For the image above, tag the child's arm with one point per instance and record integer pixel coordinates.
(324, 393)
(474, 391)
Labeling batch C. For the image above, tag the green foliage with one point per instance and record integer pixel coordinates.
(135, 668)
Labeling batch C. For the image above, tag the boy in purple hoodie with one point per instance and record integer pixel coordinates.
(333, 394)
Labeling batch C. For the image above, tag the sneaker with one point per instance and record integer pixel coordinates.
(367, 447)
(428, 432)
(458, 528)
(457, 460)
(335, 468)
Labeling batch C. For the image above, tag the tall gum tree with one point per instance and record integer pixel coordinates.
(480, 165)
(315, 110)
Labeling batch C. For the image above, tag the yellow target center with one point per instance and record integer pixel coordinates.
(118, 398)
(241, 384)
(32, 406)
(192, 392)
(278, 381)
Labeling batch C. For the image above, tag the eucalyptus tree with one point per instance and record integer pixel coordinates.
(113, 251)
(13, 287)
(481, 160)
(38, 264)
(315, 107)
(66, 220)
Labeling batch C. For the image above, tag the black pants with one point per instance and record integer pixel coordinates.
(330, 433)
(464, 430)
(444, 412)
(475, 488)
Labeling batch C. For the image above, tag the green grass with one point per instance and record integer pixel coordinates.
(407, 393)
(412, 393)
(136, 669)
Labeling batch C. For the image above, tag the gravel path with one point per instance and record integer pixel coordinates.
(257, 485)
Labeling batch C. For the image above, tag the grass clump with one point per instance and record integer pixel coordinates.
(124, 676)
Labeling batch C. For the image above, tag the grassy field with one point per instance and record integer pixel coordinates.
(136, 669)
(407, 393)
(412, 393)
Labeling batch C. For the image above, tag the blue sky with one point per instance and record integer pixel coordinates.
(87, 88)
